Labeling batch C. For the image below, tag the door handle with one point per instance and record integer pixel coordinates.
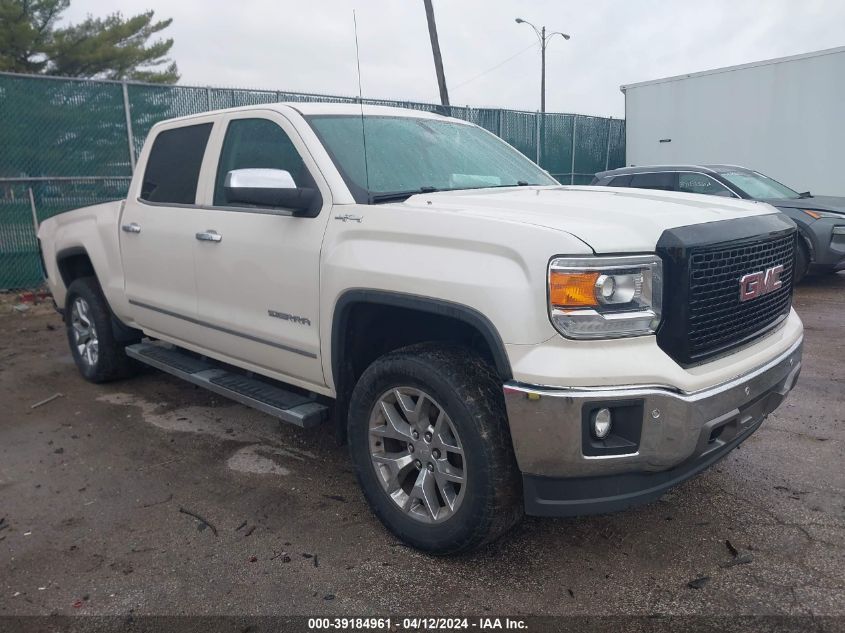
(209, 236)
(131, 228)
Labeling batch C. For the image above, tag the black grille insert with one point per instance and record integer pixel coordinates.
(702, 265)
(717, 318)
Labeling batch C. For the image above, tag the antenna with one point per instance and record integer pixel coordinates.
(361, 103)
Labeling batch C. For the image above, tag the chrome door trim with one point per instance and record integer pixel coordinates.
(249, 337)
(285, 213)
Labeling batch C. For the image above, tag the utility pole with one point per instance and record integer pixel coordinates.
(435, 51)
(544, 40)
(543, 72)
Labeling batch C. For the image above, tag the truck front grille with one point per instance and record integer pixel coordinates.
(717, 319)
(703, 316)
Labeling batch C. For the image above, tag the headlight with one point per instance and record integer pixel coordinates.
(605, 297)
(822, 214)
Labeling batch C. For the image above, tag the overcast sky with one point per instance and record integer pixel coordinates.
(309, 45)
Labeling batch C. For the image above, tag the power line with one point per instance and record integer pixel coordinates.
(501, 63)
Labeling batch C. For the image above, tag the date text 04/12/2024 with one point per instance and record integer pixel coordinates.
(416, 624)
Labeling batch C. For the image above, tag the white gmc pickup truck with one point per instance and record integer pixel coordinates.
(489, 342)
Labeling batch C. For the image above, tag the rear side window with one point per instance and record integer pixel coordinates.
(664, 181)
(173, 168)
(620, 181)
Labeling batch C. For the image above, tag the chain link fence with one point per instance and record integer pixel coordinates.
(67, 143)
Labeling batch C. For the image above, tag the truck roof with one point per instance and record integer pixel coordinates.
(308, 108)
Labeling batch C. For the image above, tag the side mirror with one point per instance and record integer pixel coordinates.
(268, 188)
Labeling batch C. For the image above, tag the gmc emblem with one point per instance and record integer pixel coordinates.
(755, 285)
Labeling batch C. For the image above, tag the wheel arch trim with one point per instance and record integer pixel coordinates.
(803, 234)
(121, 331)
(460, 312)
(68, 252)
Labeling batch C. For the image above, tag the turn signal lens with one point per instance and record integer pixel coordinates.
(593, 297)
(816, 214)
(573, 290)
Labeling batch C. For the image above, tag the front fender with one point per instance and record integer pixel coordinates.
(494, 267)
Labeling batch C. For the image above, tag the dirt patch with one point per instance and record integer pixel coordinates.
(92, 484)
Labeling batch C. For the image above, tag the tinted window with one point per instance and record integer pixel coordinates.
(174, 165)
(257, 143)
(621, 181)
(690, 182)
(665, 181)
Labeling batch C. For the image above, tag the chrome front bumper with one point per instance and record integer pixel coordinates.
(677, 428)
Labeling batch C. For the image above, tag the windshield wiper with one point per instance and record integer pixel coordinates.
(805, 194)
(399, 195)
(395, 196)
(518, 183)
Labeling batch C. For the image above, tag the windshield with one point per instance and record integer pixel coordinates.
(407, 155)
(758, 186)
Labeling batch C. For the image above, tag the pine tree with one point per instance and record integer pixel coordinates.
(113, 47)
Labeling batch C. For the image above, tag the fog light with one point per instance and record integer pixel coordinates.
(601, 423)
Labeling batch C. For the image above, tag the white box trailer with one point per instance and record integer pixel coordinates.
(783, 117)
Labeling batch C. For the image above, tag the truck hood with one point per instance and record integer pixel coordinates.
(609, 220)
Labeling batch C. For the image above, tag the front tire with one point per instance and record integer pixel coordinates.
(430, 443)
(96, 350)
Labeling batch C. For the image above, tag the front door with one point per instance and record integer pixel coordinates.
(258, 284)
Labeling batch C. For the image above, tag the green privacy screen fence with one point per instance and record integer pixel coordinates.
(67, 143)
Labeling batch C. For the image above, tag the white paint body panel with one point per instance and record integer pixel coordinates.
(485, 249)
(264, 262)
(782, 117)
(610, 220)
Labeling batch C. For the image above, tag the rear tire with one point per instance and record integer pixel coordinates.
(802, 262)
(98, 351)
(429, 439)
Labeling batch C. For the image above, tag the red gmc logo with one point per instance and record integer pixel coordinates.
(755, 285)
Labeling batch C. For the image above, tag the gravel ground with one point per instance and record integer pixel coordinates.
(95, 486)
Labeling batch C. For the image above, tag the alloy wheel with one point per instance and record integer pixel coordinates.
(417, 454)
(84, 332)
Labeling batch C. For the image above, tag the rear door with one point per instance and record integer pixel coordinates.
(157, 235)
(258, 286)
